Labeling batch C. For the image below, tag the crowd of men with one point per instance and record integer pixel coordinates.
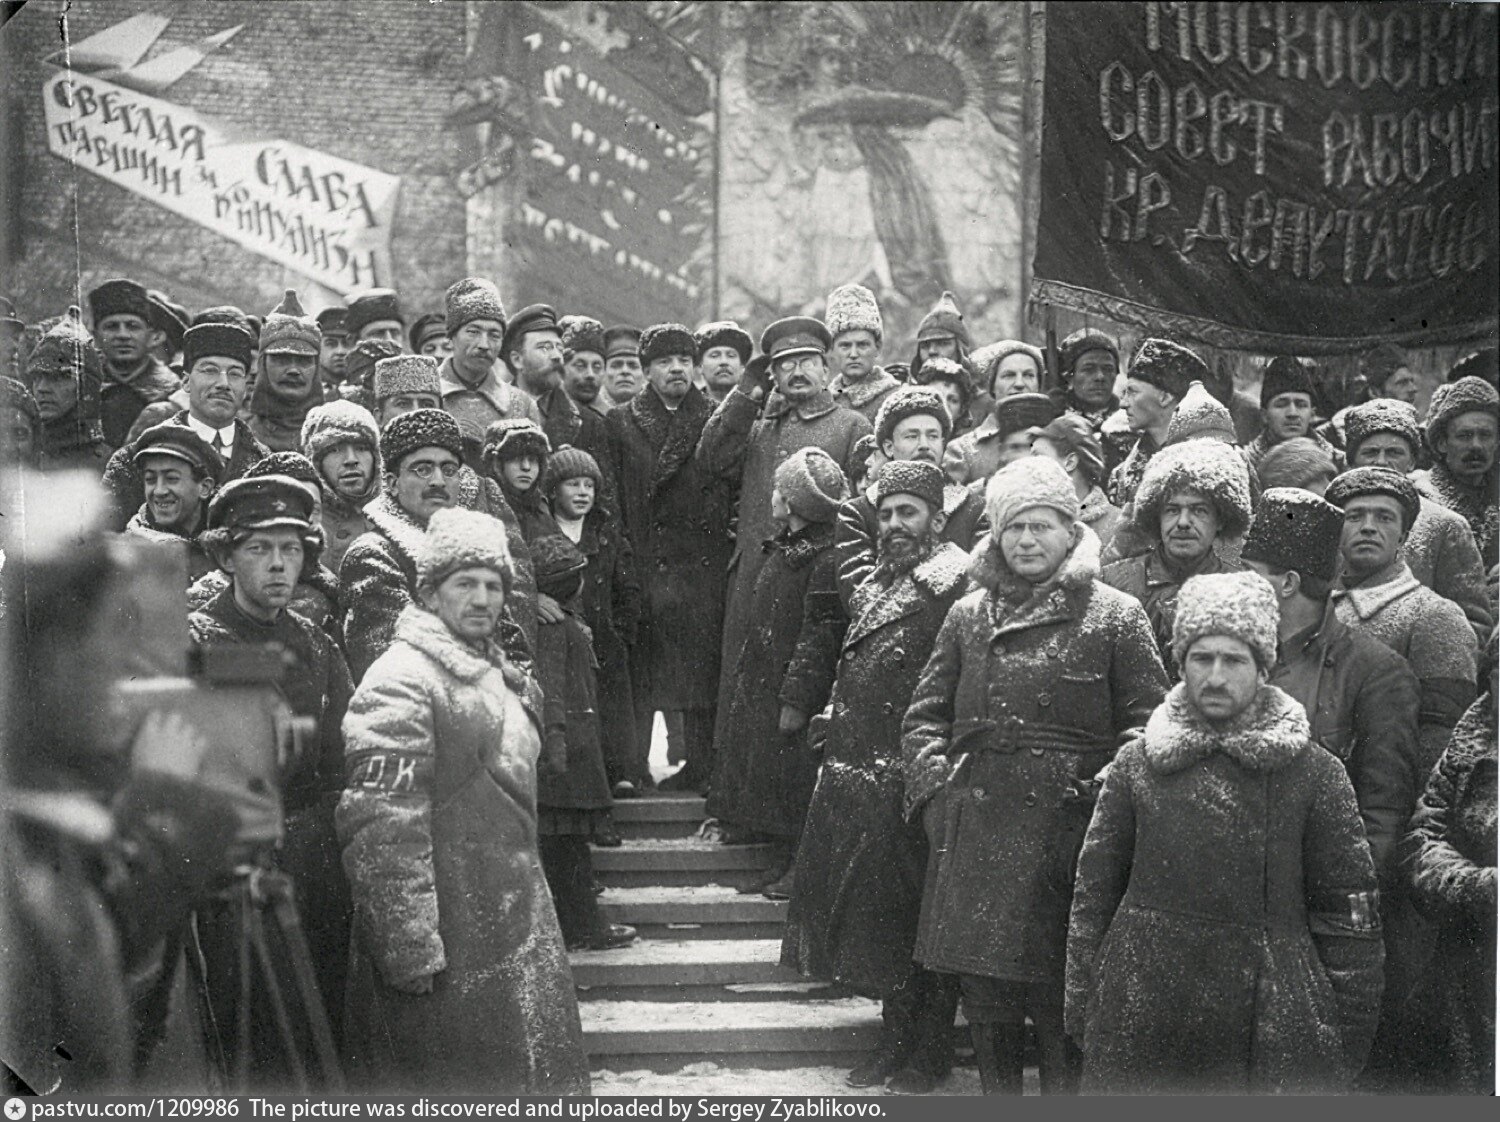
(1079, 692)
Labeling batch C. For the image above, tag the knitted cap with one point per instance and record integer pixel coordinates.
(1453, 399)
(725, 333)
(512, 437)
(533, 317)
(181, 442)
(168, 317)
(1372, 480)
(1295, 530)
(1240, 605)
(1484, 365)
(462, 539)
(663, 339)
(1200, 414)
(1080, 342)
(1381, 414)
(1205, 467)
(371, 305)
(421, 428)
(987, 359)
(852, 307)
(570, 463)
(946, 370)
(405, 374)
(945, 320)
(1071, 433)
(470, 299)
(429, 326)
(335, 423)
(581, 334)
(1025, 483)
(220, 340)
(119, 297)
(359, 365)
(1378, 365)
(1284, 374)
(909, 401)
(812, 484)
(1168, 366)
(1295, 463)
(68, 349)
(290, 330)
(911, 477)
(1022, 411)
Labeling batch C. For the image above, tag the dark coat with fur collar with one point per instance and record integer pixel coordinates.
(1027, 694)
(1225, 932)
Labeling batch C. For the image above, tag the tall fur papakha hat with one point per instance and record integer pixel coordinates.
(119, 297)
(1295, 530)
(852, 307)
(1296, 463)
(909, 401)
(940, 369)
(663, 339)
(421, 428)
(290, 330)
(406, 374)
(580, 335)
(1240, 605)
(219, 340)
(1207, 467)
(470, 299)
(812, 484)
(570, 463)
(1079, 343)
(1381, 414)
(1376, 481)
(1453, 399)
(1025, 483)
(1200, 414)
(462, 539)
(1285, 374)
(911, 477)
(338, 422)
(1168, 366)
(944, 320)
(511, 437)
(371, 305)
(724, 333)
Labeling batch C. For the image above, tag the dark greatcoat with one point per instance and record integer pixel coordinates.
(438, 826)
(1225, 935)
(1027, 694)
(764, 780)
(120, 403)
(1155, 581)
(853, 918)
(123, 481)
(677, 518)
(858, 531)
(573, 776)
(611, 607)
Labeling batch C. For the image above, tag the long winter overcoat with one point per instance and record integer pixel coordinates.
(573, 776)
(764, 779)
(860, 865)
(858, 532)
(1027, 694)
(611, 607)
(438, 827)
(1225, 933)
(677, 518)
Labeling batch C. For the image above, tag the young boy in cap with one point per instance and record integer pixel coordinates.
(287, 384)
(179, 472)
(133, 376)
(65, 371)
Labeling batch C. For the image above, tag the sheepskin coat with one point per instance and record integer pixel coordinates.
(1225, 933)
(853, 918)
(438, 827)
(857, 532)
(1476, 505)
(1440, 551)
(1027, 694)
(865, 397)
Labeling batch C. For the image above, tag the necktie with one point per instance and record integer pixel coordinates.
(219, 445)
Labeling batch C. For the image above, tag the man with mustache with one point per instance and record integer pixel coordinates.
(1193, 496)
(583, 361)
(853, 916)
(343, 444)
(1286, 407)
(1159, 376)
(133, 376)
(623, 377)
(723, 348)
(853, 320)
(1463, 430)
(287, 384)
(65, 370)
(469, 379)
(179, 473)
(912, 425)
(217, 359)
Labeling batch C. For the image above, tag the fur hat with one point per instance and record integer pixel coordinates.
(1295, 463)
(429, 325)
(168, 317)
(1484, 365)
(1372, 480)
(860, 455)
(336, 422)
(421, 428)
(290, 330)
(812, 484)
(944, 320)
(470, 299)
(911, 477)
(987, 359)
(852, 307)
(725, 333)
(1381, 414)
(909, 401)
(1200, 414)
(1285, 374)
(1071, 433)
(1296, 530)
(1168, 366)
(946, 370)
(1022, 411)
(1080, 342)
(1206, 467)
(371, 305)
(462, 539)
(406, 374)
(533, 317)
(235, 317)
(581, 334)
(364, 356)
(1240, 605)
(119, 297)
(221, 340)
(510, 437)
(570, 463)
(1025, 483)
(663, 339)
(1379, 364)
(67, 348)
(1452, 399)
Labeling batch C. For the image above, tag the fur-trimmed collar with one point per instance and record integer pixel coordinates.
(1079, 569)
(875, 605)
(154, 381)
(140, 526)
(1095, 506)
(800, 547)
(859, 394)
(1269, 734)
(419, 628)
(672, 434)
(945, 570)
(1381, 590)
(399, 528)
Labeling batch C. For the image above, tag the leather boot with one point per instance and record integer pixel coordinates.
(997, 1048)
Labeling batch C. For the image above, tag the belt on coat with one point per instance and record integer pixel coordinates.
(1012, 734)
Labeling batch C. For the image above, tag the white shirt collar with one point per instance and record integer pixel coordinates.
(207, 432)
(572, 527)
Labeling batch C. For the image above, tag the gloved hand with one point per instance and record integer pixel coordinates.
(791, 721)
(755, 381)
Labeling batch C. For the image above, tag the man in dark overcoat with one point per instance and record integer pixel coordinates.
(853, 917)
(1031, 686)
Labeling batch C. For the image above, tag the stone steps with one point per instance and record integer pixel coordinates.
(678, 861)
(659, 816)
(694, 912)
